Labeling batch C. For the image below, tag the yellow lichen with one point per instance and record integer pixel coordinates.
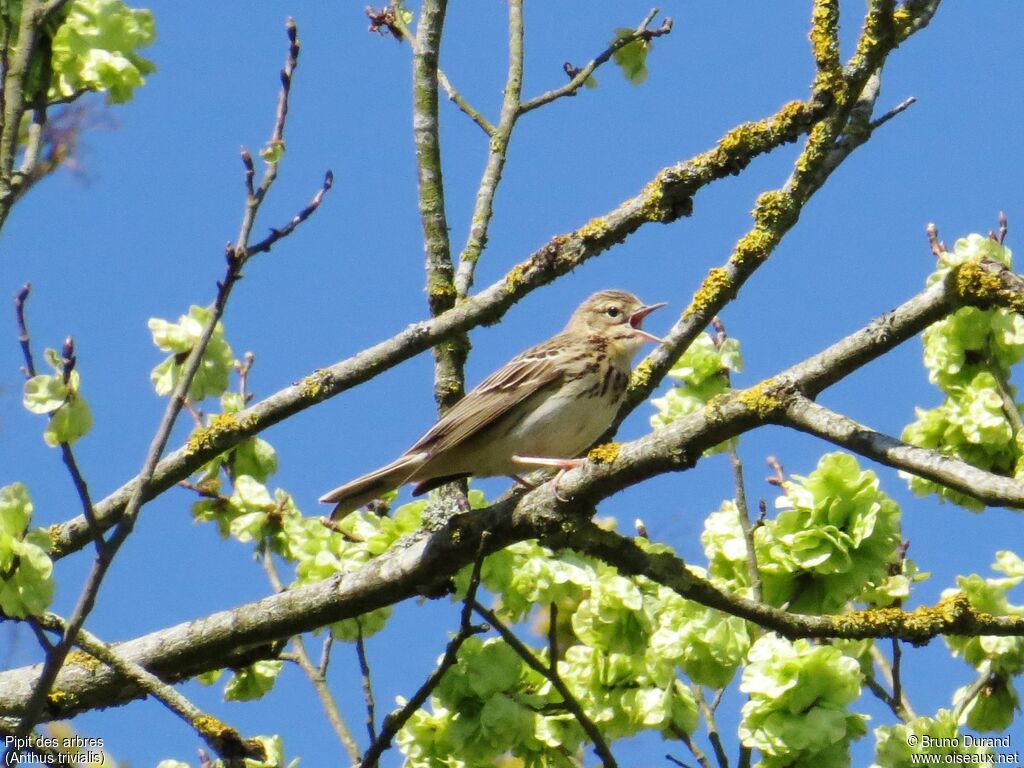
(605, 453)
(763, 399)
(753, 247)
(55, 532)
(204, 438)
(653, 206)
(82, 659)
(61, 699)
(922, 623)
(710, 292)
(312, 385)
(517, 276)
(641, 375)
(774, 209)
(594, 229)
(211, 726)
(439, 287)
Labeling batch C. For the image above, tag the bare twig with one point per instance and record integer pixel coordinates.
(364, 673)
(743, 515)
(244, 368)
(23, 338)
(317, 676)
(393, 722)
(897, 682)
(901, 707)
(709, 717)
(883, 695)
(696, 751)
(984, 680)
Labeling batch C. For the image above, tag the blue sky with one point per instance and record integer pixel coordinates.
(140, 233)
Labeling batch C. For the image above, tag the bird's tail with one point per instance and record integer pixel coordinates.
(365, 489)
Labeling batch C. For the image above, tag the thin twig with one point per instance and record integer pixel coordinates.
(743, 515)
(23, 338)
(317, 676)
(897, 682)
(901, 107)
(550, 673)
(393, 722)
(364, 673)
(278, 233)
(483, 209)
(975, 689)
(900, 706)
(67, 455)
(462, 104)
(884, 696)
(697, 752)
(709, 718)
(642, 32)
(553, 652)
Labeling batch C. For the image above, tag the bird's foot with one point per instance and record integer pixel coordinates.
(563, 465)
(523, 482)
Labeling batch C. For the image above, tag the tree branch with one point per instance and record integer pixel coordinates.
(483, 210)
(994, 490)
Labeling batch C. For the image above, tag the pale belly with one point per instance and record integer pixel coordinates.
(559, 428)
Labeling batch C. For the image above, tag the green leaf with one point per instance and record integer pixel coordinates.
(15, 509)
(213, 374)
(272, 152)
(44, 393)
(70, 422)
(27, 584)
(632, 57)
(254, 457)
(252, 682)
(95, 50)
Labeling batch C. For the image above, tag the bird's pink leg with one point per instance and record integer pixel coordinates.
(563, 465)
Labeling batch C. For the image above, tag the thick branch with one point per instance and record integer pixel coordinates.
(995, 490)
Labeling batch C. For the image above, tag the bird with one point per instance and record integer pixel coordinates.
(542, 408)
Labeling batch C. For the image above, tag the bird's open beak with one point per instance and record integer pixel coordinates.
(637, 319)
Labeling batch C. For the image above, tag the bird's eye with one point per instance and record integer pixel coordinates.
(613, 312)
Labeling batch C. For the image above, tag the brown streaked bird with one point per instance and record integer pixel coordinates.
(542, 408)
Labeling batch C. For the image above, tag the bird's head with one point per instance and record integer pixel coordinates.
(616, 316)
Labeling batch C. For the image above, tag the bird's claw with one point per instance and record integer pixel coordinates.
(563, 465)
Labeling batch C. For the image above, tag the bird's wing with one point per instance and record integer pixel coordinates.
(520, 378)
